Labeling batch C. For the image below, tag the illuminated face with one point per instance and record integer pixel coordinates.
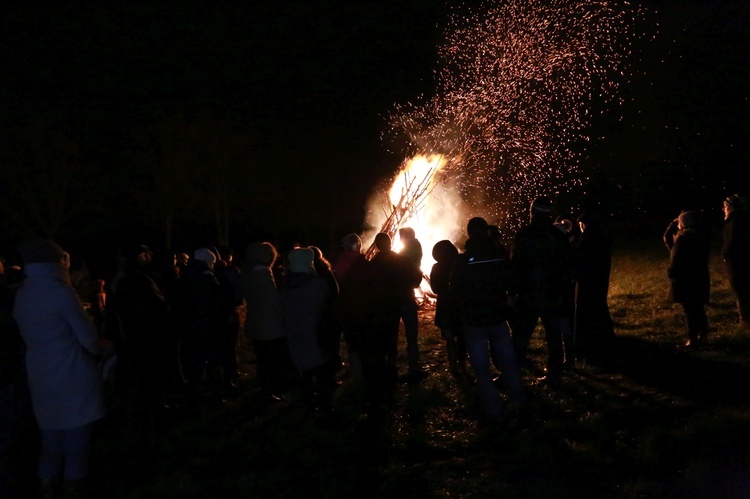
(727, 210)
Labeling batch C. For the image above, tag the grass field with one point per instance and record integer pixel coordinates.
(664, 422)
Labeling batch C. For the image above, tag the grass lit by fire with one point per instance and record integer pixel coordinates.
(663, 423)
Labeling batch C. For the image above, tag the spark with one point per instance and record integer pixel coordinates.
(518, 83)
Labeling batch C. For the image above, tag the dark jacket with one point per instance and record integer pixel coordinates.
(592, 265)
(357, 287)
(480, 282)
(399, 276)
(440, 277)
(688, 266)
(303, 299)
(541, 256)
(204, 302)
(735, 250)
(142, 312)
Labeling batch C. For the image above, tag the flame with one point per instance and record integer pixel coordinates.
(438, 215)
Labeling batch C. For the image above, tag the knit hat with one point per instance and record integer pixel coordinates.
(352, 242)
(541, 205)
(300, 261)
(205, 255)
(40, 251)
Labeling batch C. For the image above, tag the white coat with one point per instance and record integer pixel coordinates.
(61, 345)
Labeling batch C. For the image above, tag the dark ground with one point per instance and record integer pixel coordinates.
(661, 423)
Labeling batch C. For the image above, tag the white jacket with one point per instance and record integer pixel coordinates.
(61, 344)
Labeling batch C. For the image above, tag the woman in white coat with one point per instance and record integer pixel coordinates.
(62, 346)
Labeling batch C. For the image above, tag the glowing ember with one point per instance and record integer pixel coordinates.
(423, 198)
(518, 83)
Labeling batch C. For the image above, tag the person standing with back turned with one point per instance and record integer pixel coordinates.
(735, 253)
(689, 249)
(62, 346)
(479, 285)
(542, 257)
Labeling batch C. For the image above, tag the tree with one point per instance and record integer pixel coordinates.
(195, 166)
(45, 184)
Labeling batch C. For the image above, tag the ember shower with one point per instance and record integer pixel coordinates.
(517, 82)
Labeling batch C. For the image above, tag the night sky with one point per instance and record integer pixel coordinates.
(314, 81)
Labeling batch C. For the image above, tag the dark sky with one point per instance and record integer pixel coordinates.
(315, 78)
(305, 65)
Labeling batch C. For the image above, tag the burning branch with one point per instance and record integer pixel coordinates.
(414, 193)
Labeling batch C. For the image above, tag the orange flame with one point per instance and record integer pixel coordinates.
(437, 215)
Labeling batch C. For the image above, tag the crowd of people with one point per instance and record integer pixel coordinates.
(167, 326)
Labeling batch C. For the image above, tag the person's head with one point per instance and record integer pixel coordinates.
(541, 207)
(41, 251)
(300, 261)
(138, 255)
(564, 225)
(686, 220)
(352, 242)
(317, 253)
(182, 259)
(225, 253)
(163, 259)
(383, 242)
(584, 220)
(263, 253)
(444, 251)
(206, 256)
(477, 228)
(733, 203)
(407, 234)
(318, 258)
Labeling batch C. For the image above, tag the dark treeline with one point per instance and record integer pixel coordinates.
(263, 122)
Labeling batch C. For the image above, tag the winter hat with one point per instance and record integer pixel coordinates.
(205, 255)
(352, 242)
(541, 206)
(687, 219)
(300, 261)
(40, 251)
